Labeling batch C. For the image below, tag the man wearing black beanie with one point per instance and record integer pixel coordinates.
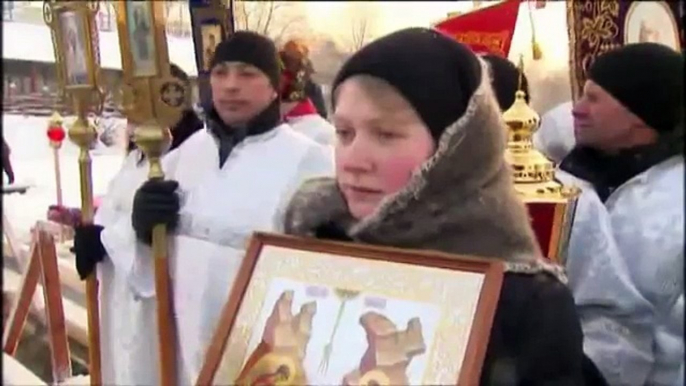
(234, 175)
(626, 253)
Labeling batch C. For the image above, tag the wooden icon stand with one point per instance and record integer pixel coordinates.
(43, 267)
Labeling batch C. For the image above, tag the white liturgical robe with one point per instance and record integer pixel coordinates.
(221, 206)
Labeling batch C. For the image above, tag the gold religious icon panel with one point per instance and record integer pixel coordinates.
(150, 93)
(308, 312)
(71, 25)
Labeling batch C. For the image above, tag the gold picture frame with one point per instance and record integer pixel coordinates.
(286, 317)
(71, 25)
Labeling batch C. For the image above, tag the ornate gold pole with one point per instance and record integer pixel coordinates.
(152, 139)
(78, 74)
(154, 101)
(83, 134)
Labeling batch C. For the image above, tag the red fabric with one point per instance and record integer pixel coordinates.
(542, 216)
(302, 108)
(486, 30)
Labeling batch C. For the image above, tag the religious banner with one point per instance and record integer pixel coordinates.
(596, 27)
(211, 22)
(487, 30)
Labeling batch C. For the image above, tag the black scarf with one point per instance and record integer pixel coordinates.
(608, 172)
(228, 137)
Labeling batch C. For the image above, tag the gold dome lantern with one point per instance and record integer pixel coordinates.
(551, 204)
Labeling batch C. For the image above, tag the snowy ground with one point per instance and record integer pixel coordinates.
(33, 164)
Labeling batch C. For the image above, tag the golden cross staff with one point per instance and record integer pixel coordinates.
(153, 101)
(72, 26)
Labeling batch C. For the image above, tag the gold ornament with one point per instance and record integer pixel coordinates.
(534, 176)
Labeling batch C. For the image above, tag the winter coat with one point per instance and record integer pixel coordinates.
(462, 201)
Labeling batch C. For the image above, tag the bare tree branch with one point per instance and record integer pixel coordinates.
(270, 13)
(286, 27)
(359, 33)
(262, 17)
(361, 16)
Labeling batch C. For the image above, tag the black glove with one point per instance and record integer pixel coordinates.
(156, 202)
(88, 249)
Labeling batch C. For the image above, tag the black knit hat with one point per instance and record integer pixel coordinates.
(437, 75)
(251, 48)
(648, 79)
(505, 80)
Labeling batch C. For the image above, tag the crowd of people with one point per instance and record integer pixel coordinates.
(412, 157)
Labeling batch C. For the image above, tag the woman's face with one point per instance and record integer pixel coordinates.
(381, 142)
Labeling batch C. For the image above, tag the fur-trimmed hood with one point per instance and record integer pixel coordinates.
(461, 201)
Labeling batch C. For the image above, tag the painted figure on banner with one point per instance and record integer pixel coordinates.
(648, 34)
(651, 22)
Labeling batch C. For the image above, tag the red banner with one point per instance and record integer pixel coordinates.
(485, 30)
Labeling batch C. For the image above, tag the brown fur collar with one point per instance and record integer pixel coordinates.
(461, 201)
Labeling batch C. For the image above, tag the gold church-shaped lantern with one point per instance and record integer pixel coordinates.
(551, 204)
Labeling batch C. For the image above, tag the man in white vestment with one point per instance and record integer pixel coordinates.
(297, 108)
(626, 253)
(229, 179)
(127, 307)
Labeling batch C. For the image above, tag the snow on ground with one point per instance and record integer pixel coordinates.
(32, 160)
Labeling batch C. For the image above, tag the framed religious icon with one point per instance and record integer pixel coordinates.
(651, 21)
(140, 27)
(211, 22)
(145, 61)
(308, 312)
(211, 36)
(74, 44)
